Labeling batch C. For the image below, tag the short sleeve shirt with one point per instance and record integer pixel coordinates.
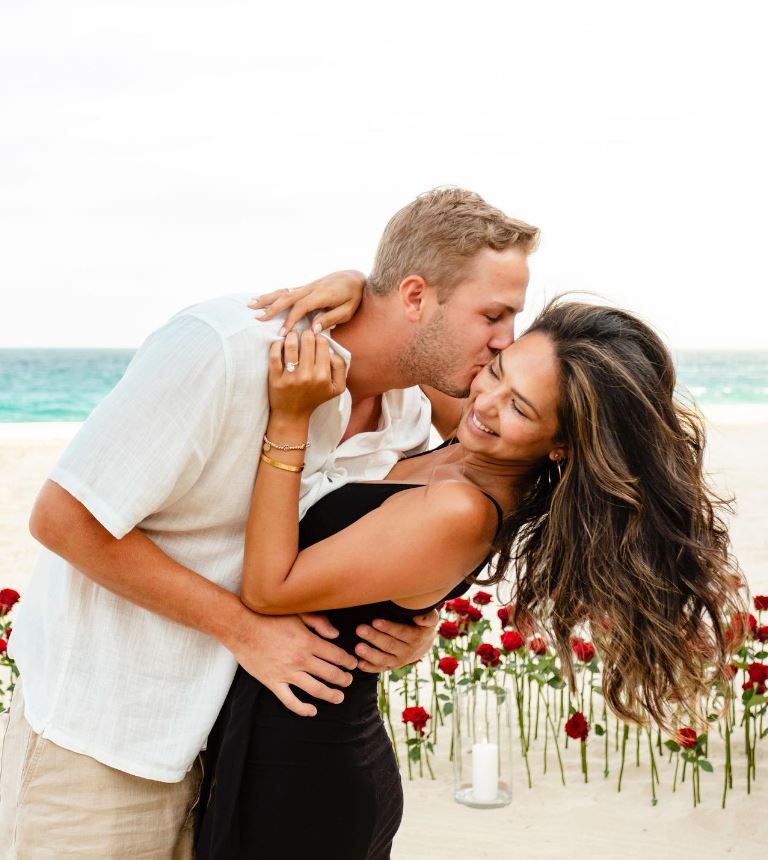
(173, 451)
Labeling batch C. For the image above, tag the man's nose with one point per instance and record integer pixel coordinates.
(502, 337)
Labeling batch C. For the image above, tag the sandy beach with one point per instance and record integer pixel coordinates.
(548, 821)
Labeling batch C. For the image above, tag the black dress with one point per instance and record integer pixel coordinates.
(283, 786)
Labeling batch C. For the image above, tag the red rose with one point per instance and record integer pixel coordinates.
(511, 640)
(761, 633)
(761, 602)
(503, 614)
(448, 665)
(418, 717)
(9, 597)
(448, 629)
(743, 624)
(489, 656)
(577, 727)
(744, 621)
(474, 614)
(584, 651)
(538, 646)
(482, 598)
(686, 738)
(3, 646)
(758, 675)
(459, 605)
(524, 624)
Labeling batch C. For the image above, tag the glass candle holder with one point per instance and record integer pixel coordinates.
(482, 746)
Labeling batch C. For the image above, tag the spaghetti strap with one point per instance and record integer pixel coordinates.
(499, 512)
(452, 440)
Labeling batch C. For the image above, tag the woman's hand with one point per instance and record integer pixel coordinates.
(339, 293)
(303, 373)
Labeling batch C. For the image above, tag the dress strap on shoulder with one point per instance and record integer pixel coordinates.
(499, 511)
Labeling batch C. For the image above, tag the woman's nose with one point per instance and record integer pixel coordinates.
(485, 401)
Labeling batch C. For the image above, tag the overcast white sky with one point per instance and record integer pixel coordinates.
(156, 153)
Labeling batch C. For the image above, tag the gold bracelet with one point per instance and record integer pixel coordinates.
(284, 466)
(268, 444)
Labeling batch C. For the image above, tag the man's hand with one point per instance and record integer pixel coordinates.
(394, 644)
(279, 650)
(339, 294)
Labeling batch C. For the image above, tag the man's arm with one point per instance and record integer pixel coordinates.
(277, 651)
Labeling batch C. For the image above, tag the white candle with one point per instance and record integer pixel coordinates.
(485, 772)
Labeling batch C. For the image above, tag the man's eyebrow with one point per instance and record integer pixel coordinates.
(508, 308)
(516, 392)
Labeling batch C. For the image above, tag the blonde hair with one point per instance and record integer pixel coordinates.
(436, 236)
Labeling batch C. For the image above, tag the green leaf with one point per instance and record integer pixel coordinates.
(412, 741)
(415, 753)
(599, 730)
(444, 697)
(556, 683)
(672, 746)
(447, 709)
(705, 765)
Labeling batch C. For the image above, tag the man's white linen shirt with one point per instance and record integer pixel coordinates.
(173, 451)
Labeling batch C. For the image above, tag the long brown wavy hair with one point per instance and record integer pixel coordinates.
(630, 540)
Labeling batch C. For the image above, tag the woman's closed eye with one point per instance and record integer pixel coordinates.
(495, 374)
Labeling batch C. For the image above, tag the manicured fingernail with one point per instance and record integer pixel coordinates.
(259, 314)
(317, 328)
(332, 631)
(378, 624)
(281, 333)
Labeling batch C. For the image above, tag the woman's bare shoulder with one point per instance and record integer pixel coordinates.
(454, 505)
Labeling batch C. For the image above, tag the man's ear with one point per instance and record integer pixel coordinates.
(413, 293)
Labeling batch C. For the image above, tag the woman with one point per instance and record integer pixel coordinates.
(572, 461)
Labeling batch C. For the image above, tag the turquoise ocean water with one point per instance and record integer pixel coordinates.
(66, 384)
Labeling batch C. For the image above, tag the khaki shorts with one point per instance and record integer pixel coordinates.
(57, 803)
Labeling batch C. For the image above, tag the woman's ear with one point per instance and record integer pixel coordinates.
(558, 454)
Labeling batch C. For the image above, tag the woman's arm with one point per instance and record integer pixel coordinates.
(421, 541)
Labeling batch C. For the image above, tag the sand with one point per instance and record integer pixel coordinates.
(548, 821)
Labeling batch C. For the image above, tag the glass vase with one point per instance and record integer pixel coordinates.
(482, 746)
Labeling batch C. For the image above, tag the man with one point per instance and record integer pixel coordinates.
(131, 629)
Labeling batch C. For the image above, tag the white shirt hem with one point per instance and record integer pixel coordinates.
(106, 757)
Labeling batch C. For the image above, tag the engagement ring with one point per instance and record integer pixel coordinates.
(290, 366)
